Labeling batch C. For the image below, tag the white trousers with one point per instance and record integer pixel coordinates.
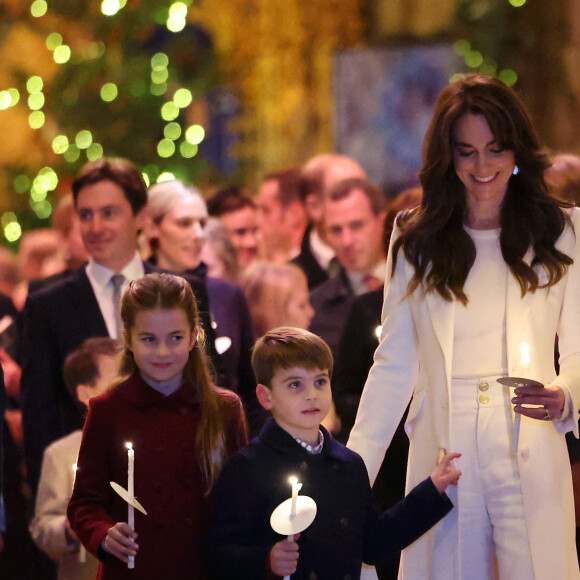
(485, 536)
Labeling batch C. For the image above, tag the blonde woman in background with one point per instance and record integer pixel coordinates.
(277, 295)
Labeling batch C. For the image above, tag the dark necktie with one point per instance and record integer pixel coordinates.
(117, 280)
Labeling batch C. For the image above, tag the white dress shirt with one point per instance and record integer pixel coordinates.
(100, 279)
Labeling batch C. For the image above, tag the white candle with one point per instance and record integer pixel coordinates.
(296, 486)
(524, 363)
(82, 549)
(131, 494)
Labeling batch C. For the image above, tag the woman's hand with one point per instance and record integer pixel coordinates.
(551, 399)
(119, 541)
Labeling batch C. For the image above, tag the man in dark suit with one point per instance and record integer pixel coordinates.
(354, 214)
(110, 197)
(318, 175)
(281, 216)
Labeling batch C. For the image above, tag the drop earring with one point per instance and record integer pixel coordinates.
(516, 170)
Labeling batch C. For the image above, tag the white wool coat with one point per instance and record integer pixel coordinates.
(413, 360)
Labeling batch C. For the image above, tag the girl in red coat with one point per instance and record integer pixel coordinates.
(182, 429)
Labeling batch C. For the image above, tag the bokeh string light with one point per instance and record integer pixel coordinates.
(124, 80)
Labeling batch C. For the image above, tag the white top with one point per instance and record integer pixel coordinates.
(100, 279)
(480, 326)
(320, 249)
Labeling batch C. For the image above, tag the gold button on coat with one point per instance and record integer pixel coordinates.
(483, 386)
(484, 399)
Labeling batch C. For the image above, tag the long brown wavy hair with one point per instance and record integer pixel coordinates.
(168, 292)
(433, 238)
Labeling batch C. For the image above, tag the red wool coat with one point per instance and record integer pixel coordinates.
(168, 480)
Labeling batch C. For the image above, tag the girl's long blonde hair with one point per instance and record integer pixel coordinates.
(169, 292)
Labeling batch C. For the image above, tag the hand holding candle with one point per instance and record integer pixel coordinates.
(520, 383)
(131, 494)
(293, 515)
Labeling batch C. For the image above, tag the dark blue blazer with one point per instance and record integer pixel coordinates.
(306, 260)
(231, 318)
(331, 301)
(347, 530)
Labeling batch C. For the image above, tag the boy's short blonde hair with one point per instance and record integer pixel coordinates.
(286, 347)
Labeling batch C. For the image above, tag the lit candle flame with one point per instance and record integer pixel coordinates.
(129, 445)
(525, 355)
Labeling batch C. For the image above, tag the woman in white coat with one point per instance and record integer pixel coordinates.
(485, 270)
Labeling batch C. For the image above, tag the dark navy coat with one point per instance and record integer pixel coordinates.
(347, 530)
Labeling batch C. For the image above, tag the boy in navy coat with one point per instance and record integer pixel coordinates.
(293, 368)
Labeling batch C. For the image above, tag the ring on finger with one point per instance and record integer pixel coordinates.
(547, 416)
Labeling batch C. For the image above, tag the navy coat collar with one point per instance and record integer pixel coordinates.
(276, 438)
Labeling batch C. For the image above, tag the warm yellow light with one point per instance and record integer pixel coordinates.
(83, 139)
(37, 195)
(94, 151)
(38, 8)
(473, 58)
(166, 176)
(177, 17)
(175, 24)
(182, 98)
(169, 111)
(508, 76)
(195, 134)
(72, 153)
(159, 60)
(62, 54)
(7, 218)
(165, 148)
(12, 231)
(158, 90)
(109, 92)
(36, 119)
(159, 76)
(5, 100)
(110, 7)
(43, 209)
(34, 84)
(49, 174)
(14, 95)
(172, 131)
(53, 40)
(188, 150)
(36, 101)
(178, 10)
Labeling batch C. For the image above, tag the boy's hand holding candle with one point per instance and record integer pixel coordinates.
(290, 518)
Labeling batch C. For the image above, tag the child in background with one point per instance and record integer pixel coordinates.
(293, 369)
(88, 371)
(182, 428)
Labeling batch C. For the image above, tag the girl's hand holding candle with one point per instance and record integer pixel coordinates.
(131, 495)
